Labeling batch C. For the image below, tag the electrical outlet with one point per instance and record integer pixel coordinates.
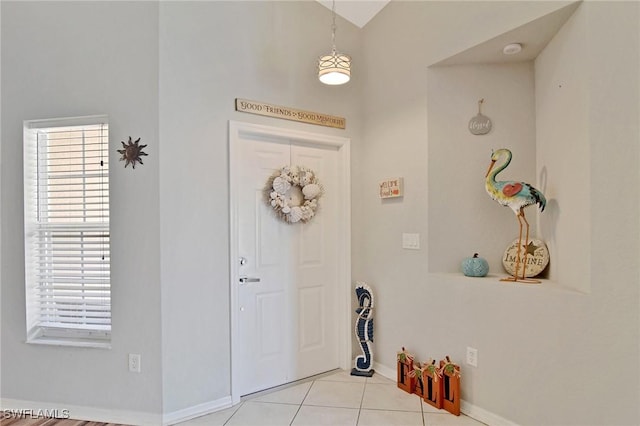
(134, 363)
(472, 356)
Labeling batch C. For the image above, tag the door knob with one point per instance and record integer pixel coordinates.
(244, 280)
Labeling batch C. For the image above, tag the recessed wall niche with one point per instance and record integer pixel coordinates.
(539, 108)
(463, 220)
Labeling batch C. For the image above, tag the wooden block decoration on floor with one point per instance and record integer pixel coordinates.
(405, 366)
(432, 381)
(417, 374)
(451, 386)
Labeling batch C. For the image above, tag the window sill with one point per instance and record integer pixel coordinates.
(59, 336)
(66, 341)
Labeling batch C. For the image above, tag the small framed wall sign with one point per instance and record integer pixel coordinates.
(392, 188)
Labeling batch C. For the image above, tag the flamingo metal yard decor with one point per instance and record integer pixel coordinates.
(517, 196)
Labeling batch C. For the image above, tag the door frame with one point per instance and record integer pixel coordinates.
(237, 130)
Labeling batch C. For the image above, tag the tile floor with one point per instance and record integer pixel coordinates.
(336, 399)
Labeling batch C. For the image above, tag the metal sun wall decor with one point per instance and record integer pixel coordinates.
(364, 331)
(132, 153)
(516, 196)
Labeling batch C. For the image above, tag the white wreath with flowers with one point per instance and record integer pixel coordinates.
(293, 192)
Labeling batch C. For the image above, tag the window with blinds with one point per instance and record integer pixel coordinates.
(66, 206)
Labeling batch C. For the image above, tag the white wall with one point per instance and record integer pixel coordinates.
(168, 72)
(539, 346)
(563, 151)
(70, 59)
(0, 206)
(400, 43)
(592, 69)
(463, 219)
(212, 53)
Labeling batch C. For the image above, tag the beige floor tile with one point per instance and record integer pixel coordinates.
(389, 418)
(337, 399)
(263, 413)
(291, 395)
(428, 408)
(380, 379)
(335, 394)
(343, 376)
(330, 416)
(385, 397)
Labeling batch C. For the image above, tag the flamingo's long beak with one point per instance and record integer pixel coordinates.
(490, 167)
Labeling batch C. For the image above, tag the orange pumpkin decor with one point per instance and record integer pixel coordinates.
(437, 385)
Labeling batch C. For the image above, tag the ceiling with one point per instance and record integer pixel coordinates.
(358, 12)
(533, 36)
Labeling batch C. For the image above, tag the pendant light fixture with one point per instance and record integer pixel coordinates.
(334, 68)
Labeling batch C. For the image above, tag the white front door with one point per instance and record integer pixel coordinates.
(287, 305)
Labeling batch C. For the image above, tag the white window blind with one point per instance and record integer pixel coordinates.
(67, 256)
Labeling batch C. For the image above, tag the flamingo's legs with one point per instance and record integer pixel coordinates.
(519, 260)
(526, 244)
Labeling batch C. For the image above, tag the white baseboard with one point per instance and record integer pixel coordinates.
(483, 415)
(84, 413)
(196, 411)
(467, 408)
(389, 373)
(79, 412)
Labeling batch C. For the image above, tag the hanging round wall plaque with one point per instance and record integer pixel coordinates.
(480, 124)
(537, 257)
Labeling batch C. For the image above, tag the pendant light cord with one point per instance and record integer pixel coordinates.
(333, 27)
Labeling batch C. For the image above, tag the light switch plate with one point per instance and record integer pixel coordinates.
(411, 241)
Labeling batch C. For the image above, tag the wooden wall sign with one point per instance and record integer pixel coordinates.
(535, 256)
(286, 113)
